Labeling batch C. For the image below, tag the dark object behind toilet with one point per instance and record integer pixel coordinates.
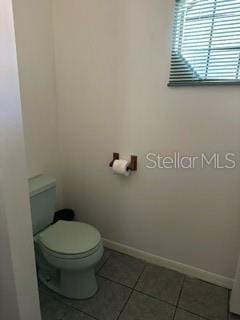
(64, 214)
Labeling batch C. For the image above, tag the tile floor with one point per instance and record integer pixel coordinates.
(130, 289)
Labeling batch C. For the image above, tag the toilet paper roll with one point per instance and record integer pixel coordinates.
(120, 167)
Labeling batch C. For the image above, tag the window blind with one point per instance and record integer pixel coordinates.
(206, 42)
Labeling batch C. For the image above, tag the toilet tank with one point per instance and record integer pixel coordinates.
(42, 191)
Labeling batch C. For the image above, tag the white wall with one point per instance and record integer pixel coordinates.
(18, 282)
(112, 64)
(34, 36)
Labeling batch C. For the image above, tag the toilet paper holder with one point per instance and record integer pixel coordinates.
(132, 165)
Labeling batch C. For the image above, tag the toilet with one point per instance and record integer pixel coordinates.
(66, 252)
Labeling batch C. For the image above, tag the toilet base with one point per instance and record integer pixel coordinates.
(78, 285)
(72, 285)
(71, 278)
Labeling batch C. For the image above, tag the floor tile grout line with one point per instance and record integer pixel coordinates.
(195, 314)
(140, 275)
(175, 313)
(71, 306)
(81, 311)
(131, 293)
(156, 298)
(114, 281)
(125, 304)
(181, 290)
(179, 297)
(229, 296)
(205, 281)
(122, 284)
(101, 267)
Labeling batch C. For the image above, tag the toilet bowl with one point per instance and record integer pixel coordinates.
(74, 249)
(67, 251)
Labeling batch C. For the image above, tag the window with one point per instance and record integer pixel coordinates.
(206, 43)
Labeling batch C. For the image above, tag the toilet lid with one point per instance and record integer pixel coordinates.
(70, 237)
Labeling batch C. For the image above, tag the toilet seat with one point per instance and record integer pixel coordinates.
(70, 240)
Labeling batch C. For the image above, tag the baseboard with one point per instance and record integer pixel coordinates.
(171, 264)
